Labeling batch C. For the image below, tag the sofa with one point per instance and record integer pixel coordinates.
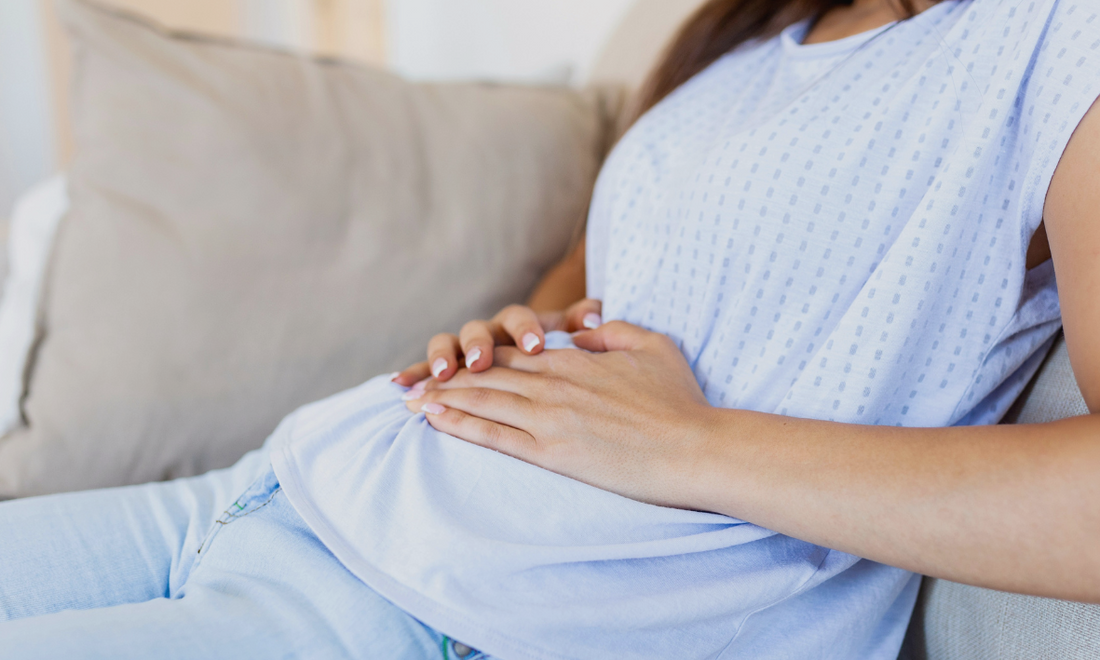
(203, 213)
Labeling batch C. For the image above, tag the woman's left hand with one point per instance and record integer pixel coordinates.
(629, 417)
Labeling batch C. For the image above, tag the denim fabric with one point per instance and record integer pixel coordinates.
(218, 566)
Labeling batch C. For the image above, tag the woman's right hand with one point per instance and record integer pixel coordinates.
(515, 325)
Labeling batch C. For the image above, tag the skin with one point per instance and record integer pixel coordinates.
(1015, 508)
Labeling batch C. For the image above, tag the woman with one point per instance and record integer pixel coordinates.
(824, 252)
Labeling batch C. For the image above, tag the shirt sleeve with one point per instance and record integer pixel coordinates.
(1061, 84)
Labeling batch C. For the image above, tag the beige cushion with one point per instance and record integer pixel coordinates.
(958, 622)
(252, 231)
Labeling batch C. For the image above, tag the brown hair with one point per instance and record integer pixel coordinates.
(718, 27)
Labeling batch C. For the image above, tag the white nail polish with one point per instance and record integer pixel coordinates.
(433, 409)
(472, 357)
(392, 377)
(412, 395)
(592, 321)
(438, 367)
(531, 341)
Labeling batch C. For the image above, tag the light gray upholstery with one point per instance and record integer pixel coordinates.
(3, 249)
(957, 622)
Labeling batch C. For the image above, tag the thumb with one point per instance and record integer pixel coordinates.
(613, 336)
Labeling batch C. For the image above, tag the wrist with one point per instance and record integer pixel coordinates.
(720, 457)
(703, 456)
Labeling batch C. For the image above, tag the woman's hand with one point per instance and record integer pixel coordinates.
(628, 417)
(514, 326)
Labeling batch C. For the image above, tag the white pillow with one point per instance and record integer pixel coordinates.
(33, 224)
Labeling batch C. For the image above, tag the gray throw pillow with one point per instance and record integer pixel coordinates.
(252, 230)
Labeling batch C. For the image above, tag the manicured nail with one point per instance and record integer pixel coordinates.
(394, 376)
(413, 394)
(433, 409)
(472, 357)
(531, 341)
(592, 321)
(439, 366)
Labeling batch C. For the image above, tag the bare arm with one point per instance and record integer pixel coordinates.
(1012, 508)
(563, 285)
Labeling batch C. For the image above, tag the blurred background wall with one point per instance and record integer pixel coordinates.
(537, 41)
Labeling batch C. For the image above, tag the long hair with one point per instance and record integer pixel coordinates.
(718, 27)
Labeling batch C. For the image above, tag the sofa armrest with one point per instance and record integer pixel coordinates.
(4, 224)
(958, 622)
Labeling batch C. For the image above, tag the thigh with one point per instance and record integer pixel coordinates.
(263, 586)
(96, 549)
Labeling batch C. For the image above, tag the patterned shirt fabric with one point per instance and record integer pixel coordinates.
(833, 231)
(839, 231)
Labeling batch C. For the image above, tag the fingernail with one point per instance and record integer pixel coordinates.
(472, 357)
(439, 366)
(394, 376)
(592, 321)
(413, 394)
(531, 341)
(433, 409)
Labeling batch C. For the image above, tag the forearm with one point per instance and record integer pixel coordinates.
(1015, 508)
(562, 286)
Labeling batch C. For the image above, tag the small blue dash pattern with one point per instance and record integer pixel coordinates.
(838, 231)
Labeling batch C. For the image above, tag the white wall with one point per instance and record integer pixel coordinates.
(536, 40)
(26, 120)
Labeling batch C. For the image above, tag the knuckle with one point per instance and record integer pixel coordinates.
(511, 311)
(494, 434)
(474, 327)
(440, 343)
(664, 342)
(556, 388)
(479, 398)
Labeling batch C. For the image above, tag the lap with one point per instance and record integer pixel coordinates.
(253, 582)
(109, 547)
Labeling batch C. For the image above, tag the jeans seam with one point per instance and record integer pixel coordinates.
(247, 512)
(229, 517)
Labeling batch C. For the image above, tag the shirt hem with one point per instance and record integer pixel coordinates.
(443, 619)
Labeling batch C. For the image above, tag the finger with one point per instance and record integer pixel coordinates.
(413, 374)
(482, 432)
(522, 325)
(516, 360)
(477, 344)
(489, 404)
(497, 378)
(584, 315)
(416, 391)
(614, 336)
(551, 321)
(443, 353)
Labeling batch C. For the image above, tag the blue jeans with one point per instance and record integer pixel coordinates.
(218, 566)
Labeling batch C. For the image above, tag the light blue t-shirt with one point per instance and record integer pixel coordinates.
(835, 231)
